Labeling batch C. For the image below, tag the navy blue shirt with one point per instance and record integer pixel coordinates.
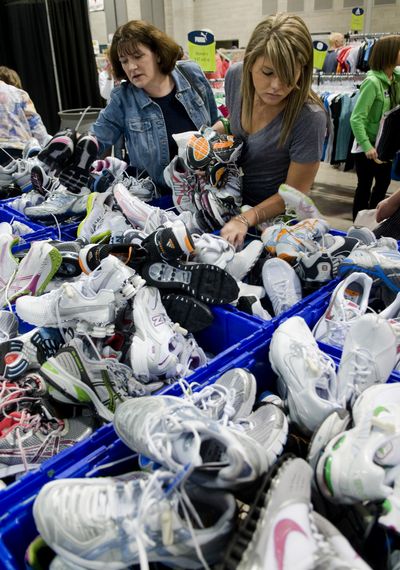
(176, 119)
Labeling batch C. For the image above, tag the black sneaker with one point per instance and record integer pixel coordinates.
(91, 255)
(169, 244)
(190, 313)
(59, 150)
(76, 174)
(206, 282)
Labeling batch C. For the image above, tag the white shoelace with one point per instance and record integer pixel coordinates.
(321, 363)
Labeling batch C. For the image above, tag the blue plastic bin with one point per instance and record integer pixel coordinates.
(103, 454)
(226, 338)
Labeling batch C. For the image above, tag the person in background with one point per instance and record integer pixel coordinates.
(336, 41)
(388, 217)
(19, 120)
(281, 121)
(158, 99)
(106, 79)
(10, 76)
(379, 92)
(106, 85)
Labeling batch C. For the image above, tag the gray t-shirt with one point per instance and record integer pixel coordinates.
(265, 165)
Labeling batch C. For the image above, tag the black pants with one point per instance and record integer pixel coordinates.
(368, 170)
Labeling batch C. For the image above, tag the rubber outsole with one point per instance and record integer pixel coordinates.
(191, 314)
(206, 282)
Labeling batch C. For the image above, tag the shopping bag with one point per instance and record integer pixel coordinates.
(366, 219)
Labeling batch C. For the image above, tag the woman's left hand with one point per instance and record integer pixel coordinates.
(372, 154)
(235, 232)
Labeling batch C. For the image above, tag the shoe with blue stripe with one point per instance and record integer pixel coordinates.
(383, 265)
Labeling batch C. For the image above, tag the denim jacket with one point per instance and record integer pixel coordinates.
(132, 113)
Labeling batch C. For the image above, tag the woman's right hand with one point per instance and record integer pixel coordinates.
(385, 209)
(235, 232)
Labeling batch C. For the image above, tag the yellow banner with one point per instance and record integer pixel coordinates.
(202, 49)
(320, 51)
(357, 20)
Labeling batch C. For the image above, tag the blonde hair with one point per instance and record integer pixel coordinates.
(285, 40)
(336, 37)
(10, 76)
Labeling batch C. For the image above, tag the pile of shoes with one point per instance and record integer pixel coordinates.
(203, 451)
(205, 179)
(56, 182)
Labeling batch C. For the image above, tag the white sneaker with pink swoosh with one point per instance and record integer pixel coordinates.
(289, 534)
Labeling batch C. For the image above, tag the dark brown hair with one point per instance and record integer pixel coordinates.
(10, 76)
(128, 36)
(385, 53)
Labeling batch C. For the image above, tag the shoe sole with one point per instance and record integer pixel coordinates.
(236, 552)
(58, 152)
(76, 173)
(89, 209)
(191, 314)
(208, 283)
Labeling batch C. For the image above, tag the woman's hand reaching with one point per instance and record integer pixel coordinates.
(235, 232)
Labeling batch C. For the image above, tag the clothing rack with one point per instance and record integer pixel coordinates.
(319, 78)
(368, 36)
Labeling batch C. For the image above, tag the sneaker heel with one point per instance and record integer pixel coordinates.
(110, 329)
(128, 291)
(101, 331)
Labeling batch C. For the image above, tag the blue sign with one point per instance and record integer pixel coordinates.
(201, 38)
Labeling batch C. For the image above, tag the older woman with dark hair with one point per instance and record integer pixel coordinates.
(158, 98)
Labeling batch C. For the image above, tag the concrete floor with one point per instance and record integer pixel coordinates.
(333, 192)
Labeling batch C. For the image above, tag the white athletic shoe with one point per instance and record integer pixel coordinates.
(153, 352)
(346, 471)
(281, 284)
(286, 532)
(299, 202)
(89, 303)
(174, 433)
(349, 301)
(8, 263)
(34, 272)
(369, 356)
(118, 523)
(144, 216)
(306, 376)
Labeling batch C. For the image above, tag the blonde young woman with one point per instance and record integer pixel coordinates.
(281, 120)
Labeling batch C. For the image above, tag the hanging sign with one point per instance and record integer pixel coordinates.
(320, 50)
(357, 19)
(202, 49)
(95, 5)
